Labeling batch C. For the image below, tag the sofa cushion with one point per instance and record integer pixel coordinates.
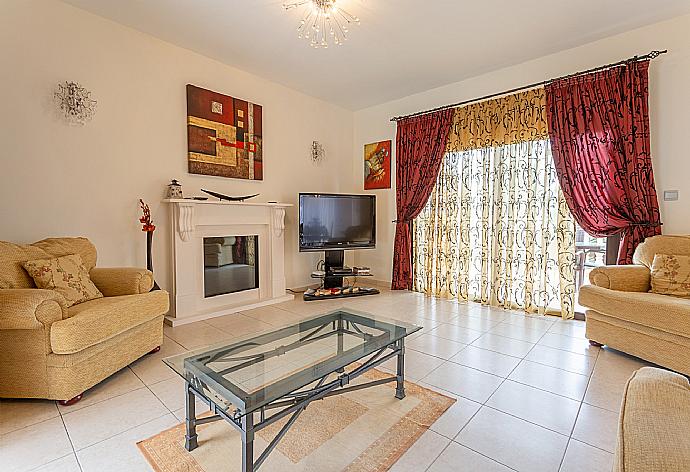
(92, 322)
(12, 274)
(671, 275)
(653, 423)
(66, 275)
(669, 314)
(58, 247)
(645, 252)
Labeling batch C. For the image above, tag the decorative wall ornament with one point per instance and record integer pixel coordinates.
(74, 102)
(377, 165)
(224, 135)
(318, 153)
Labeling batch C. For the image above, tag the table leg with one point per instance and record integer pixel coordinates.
(190, 439)
(400, 387)
(248, 443)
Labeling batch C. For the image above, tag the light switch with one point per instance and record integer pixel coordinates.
(670, 195)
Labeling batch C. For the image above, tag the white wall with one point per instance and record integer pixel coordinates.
(57, 180)
(669, 116)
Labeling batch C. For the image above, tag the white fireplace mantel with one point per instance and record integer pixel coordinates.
(194, 220)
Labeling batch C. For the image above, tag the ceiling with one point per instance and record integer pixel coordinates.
(401, 47)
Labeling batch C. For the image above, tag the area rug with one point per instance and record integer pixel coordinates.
(365, 430)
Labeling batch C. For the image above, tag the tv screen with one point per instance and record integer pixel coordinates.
(332, 221)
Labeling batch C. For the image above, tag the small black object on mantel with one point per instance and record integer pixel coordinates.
(221, 196)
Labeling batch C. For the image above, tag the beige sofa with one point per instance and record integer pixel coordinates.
(53, 352)
(654, 423)
(623, 314)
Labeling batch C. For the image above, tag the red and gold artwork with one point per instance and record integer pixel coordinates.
(377, 165)
(224, 135)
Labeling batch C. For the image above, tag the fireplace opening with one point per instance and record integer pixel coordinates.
(231, 264)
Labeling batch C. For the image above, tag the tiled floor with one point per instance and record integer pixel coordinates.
(532, 395)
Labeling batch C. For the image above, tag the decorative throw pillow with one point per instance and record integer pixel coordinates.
(66, 275)
(671, 275)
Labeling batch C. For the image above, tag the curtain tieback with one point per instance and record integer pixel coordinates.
(647, 224)
(405, 220)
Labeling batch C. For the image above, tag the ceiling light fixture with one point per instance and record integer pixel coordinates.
(323, 22)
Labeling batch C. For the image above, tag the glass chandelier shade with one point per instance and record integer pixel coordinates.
(323, 22)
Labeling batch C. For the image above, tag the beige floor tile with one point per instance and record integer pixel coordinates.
(475, 323)
(422, 453)
(457, 458)
(536, 406)
(435, 346)
(518, 332)
(514, 442)
(617, 365)
(120, 453)
(577, 363)
(551, 379)
(417, 364)
(33, 446)
(572, 328)
(273, 315)
(584, 458)
(119, 383)
(542, 323)
(597, 427)
(15, 414)
(151, 368)
(569, 343)
(486, 361)
(237, 324)
(605, 391)
(113, 416)
(172, 394)
(464, 381)
(64, 464)
(456, 417)
(455, 333)
(194, 335)
(508, 346)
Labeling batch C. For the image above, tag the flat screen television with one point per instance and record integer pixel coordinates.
(330, 221)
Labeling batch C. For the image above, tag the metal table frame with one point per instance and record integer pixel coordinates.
(293, 403)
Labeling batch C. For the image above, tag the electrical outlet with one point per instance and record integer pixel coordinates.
(670, 195)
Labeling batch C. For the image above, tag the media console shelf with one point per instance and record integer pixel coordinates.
(333, 280)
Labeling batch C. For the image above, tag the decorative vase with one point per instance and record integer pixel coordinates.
(149, 259)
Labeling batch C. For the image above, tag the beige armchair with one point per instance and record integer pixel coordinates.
(48, 350)
(622, 313)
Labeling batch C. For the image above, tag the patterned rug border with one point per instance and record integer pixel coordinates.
(383, 452)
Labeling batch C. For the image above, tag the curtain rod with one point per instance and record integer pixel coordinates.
(651, 55)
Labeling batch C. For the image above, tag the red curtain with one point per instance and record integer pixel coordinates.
(599, 132)
(420, 146)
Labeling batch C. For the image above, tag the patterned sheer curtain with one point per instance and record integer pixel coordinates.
(496, 229)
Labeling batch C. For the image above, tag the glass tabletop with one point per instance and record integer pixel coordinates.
(253, 371)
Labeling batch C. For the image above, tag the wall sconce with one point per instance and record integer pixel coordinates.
(74, 103)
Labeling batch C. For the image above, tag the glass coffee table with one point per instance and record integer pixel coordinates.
(255, 381)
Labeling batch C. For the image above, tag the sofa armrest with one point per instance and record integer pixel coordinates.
(30, 308)
(116, 281)
(626, 278)
(653, 423)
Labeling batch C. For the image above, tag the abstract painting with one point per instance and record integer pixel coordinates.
(224, 135)
(377, 165)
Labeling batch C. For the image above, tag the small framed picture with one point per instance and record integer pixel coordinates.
(377, 165)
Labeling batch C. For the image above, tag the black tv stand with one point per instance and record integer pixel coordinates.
(334, 273)
(335, 259)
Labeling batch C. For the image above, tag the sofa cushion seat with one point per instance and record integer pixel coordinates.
(669, 314)
(95, 321)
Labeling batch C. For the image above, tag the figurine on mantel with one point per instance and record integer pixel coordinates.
(174, 189)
